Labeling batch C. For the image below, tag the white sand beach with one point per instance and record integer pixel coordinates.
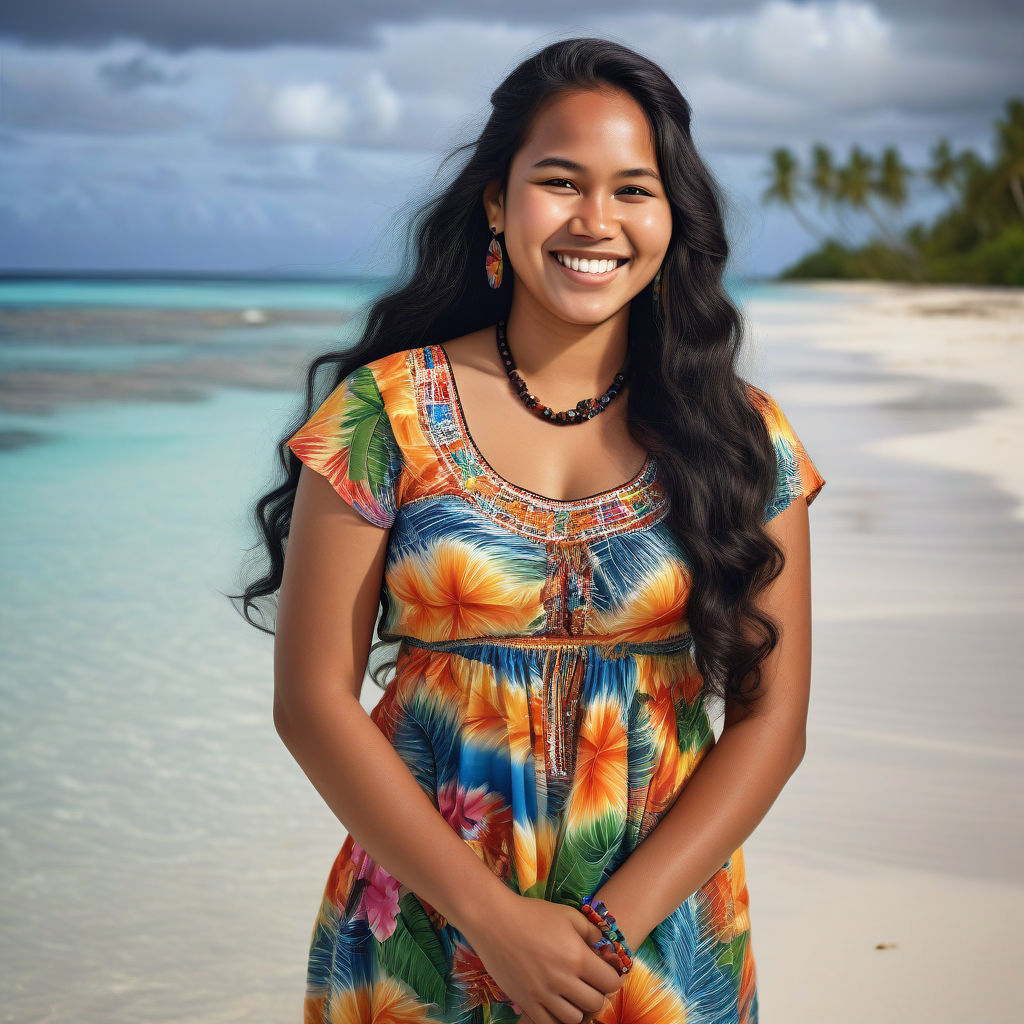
(953, 333)
(885, 881)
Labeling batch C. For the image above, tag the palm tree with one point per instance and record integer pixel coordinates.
(785, 186)
(976, 191)
(823, 181)
(1010, 151)
(891, 187)
(893, 174)
(856, 183)
(943, 171)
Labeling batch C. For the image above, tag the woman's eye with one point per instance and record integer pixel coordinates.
(566, 181)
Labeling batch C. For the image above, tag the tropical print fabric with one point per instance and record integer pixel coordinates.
(545, 697)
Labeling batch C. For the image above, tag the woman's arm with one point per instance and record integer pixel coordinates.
(327, 610)
(742, 775)
(326, 613)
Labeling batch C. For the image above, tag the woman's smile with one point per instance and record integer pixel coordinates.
(593, 271)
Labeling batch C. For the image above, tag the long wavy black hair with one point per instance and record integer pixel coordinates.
(686, 403)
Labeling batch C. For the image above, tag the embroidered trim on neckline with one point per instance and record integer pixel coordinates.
(634, 505)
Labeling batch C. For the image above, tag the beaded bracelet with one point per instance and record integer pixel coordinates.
(596, 912)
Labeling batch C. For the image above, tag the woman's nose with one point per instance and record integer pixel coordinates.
(593, 218)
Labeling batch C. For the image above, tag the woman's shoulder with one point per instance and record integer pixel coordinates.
(759, 398)
(798, 475)
(392, 364)
(393, 375)
(765, 403)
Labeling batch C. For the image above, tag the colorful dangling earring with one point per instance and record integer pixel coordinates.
(657, 286)
(495, 263)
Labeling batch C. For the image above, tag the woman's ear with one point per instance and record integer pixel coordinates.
(494, 205)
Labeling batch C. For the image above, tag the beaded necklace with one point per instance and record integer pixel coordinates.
(586, 408)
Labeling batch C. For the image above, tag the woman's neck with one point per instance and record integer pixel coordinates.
(562, 357)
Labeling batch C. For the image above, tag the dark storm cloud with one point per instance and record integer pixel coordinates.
(135, 73)
(176, 25)
(52, 100)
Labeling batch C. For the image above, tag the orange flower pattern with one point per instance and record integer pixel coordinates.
(545, 697)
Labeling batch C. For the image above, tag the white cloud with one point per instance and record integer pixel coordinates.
(812, 45)
(309, 110)
(341, 106)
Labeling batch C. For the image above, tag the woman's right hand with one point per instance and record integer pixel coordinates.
(540, 954)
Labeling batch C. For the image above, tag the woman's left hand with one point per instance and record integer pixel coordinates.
(588, 1018)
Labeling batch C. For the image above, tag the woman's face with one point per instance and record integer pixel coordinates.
(592, 199)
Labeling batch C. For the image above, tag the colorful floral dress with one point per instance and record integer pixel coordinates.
(545, 698)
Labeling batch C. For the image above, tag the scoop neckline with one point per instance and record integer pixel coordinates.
(634, 481)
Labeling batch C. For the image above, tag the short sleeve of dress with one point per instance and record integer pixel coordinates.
(797, 474)
(349, 441)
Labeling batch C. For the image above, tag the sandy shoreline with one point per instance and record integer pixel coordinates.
(964, 334)
(881, 945)
(882, 882)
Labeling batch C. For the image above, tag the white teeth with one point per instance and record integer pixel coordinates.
(587, 266)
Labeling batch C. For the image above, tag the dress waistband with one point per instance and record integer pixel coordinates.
(607, 648)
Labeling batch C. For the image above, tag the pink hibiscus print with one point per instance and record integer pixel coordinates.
(466, 811)
(379, 901)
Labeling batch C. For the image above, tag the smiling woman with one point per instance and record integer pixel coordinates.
(541, 823)
(605, 230)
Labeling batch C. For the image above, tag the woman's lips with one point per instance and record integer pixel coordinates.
(585, 278)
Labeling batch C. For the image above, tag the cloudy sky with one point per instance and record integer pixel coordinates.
(264, 137)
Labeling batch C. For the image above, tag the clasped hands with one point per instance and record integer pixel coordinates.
(540, 954)
(588, 1018)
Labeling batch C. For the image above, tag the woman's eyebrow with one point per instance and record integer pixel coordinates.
(571, 165)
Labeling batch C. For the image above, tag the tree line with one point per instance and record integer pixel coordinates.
(977, 238)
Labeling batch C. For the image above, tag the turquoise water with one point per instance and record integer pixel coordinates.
(188, 294)
(255, 294)
(95, 340)
(81, 326)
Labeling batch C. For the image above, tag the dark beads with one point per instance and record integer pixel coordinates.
(586, 408)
